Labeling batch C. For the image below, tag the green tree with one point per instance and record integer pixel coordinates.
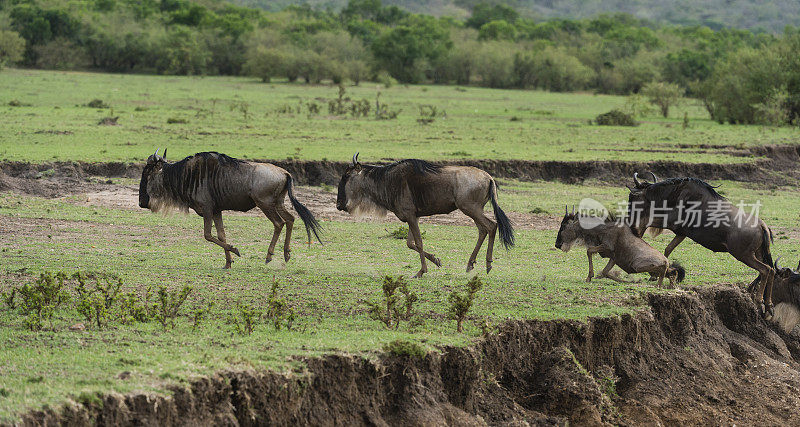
(403, 50)
(12, 46)
(663, 95)
(497, 30)
(747, 78)
(483, 13)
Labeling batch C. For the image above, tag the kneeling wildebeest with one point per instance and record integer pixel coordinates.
(211, 182)
(786, 297)
(414, 188)
(618, 243)
(692, 208)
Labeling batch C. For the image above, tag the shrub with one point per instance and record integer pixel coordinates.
(176, 120)
(428, 114)
(39, 301)
(615, 118)
(200, 314)
(402, 348)
(394, 308)
(12, 46)
(245, 318)
(168, 305)
(460, 304)
(8, 298)
(97, 103)
(278, 310)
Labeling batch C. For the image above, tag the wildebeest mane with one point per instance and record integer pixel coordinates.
(183, 178)
(389, 178)
(419, 167)
(671, 189)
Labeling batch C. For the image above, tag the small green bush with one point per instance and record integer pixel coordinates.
(168, 305)
(395, 307)
(40, 300)
(460, 304)
(176, 120)
(278, 310)
(402, 348)
(615, 118)
(245, 318)
(97, 103)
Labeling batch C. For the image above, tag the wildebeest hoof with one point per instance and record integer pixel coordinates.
(227, 265)
(286, 256)
(470, 266)
(436, 261)
(589, 279)
(419, 274)
(488, 268)
(234, 250)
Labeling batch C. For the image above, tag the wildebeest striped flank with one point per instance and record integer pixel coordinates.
(212, 182)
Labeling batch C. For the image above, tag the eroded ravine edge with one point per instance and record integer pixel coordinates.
(701, 356)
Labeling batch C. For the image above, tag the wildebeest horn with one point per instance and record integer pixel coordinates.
(156, 153)
(776, 262)
(655, 180)
(566, 209)
(164, 156)
(355, 159)
(798, 266)
(636, 179)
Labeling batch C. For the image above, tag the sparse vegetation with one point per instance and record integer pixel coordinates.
(402, 348)
(397, 305)
(460, 304)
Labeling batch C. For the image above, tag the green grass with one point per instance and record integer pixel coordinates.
(551, 126)
(324, 284)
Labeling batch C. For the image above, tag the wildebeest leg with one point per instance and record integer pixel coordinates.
(412, 246)
(289, 219)
(486, 227)
(607, 272)
(413, 228)
(277, 222)
(221, 237)
(766, 274)
(207, 219)
(673, 244)
(589, 252)
(752, 286)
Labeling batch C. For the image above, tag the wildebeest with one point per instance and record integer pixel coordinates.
(615, 241)
(211, 182)
(786, 297)
(692, 208)
(415, 188)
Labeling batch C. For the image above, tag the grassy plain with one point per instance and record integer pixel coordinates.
(52, 122)
(326, 285)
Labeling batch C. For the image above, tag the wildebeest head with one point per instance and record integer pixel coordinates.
(569, 233)
(153, 166)
(638, 204)
(345, 190)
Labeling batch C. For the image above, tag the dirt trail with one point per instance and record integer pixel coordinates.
(702, 357)
(321, 202)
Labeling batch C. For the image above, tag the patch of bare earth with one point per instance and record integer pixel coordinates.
(321, 203)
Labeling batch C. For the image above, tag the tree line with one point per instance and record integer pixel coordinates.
(741, 76)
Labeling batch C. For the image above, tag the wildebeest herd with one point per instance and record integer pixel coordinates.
(211, 182)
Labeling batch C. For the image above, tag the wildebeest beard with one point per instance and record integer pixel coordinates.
(177, 184)
(384, 184)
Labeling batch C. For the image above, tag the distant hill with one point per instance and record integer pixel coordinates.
(769, 15)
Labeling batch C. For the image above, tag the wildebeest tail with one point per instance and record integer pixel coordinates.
(312, 226)
(506, 230)
(766, 255)
(678, 270)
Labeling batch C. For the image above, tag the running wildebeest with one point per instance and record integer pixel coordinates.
(615, 241)
(414, 188)
(692, 208)
(786, 296)
(211, 182)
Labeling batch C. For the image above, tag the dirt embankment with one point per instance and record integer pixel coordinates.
(780, 165)
(702, 357)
